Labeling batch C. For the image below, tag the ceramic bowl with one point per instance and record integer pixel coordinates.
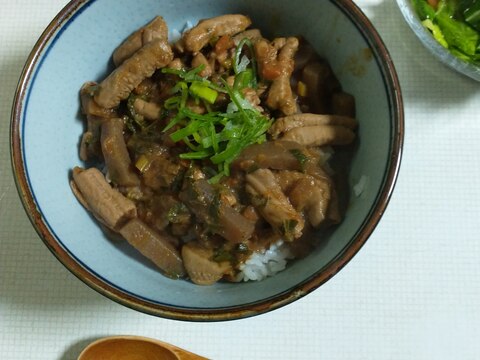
(46, 127)
(437, 50)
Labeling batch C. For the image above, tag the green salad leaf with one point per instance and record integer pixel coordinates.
(455, 24)
(458, 34)
(436, 32)
(423, 9)
(472, 15)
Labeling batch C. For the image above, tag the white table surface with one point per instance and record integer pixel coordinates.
(412, 292)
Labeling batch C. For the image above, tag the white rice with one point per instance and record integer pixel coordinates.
(360, 187)
(265, 263)
(176, 34)
(326, 154)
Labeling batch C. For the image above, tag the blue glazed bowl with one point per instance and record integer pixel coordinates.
(46, 127)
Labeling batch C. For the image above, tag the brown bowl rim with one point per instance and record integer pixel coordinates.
(215, 314)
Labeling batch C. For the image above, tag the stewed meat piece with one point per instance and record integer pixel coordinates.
(201, 269)
(199, 36)
(252, 34)
(268, 198)
(288, 123)
(156, 29)
(116, 155)
(320, 135)
(155, 246)
(214, 211)
(321, 84)
(200, 59)
(277, 155)
(142, 64)
(108, 205)
(281, 95)
(150, 110)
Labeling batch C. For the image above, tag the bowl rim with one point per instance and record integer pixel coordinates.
(433, 46)
(392, 84)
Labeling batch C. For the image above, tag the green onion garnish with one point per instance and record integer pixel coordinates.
(219, 137)
(203, 92)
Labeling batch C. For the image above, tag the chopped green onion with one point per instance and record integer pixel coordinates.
(203, 92)
(215, 179)
(213, 138)
(239, 64)
(302, 89)
(244, 80)
(179, 87)
(198, 155)
(192, 75)
(219, 137)
(300, 156)
(190, 145)
(179, 117)
(234, 147)
(188, 76)
(177, 212)
(186, 131)
(222, 255)
(142, 163)
(288, 227)
(172, 103)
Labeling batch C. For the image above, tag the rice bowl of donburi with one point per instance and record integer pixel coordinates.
(213, 170)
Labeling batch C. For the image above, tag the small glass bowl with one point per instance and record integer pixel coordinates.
(433, 46)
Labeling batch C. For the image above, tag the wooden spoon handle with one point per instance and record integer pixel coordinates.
(181, 354)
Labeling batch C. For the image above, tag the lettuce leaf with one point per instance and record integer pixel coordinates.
(436, 32)
(456, 33)
(455, 25)
(472, 14)
(423, 9)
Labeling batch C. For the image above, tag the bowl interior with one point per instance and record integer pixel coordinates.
(50, 128)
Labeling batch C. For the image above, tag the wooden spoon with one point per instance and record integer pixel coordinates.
(134, 348)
